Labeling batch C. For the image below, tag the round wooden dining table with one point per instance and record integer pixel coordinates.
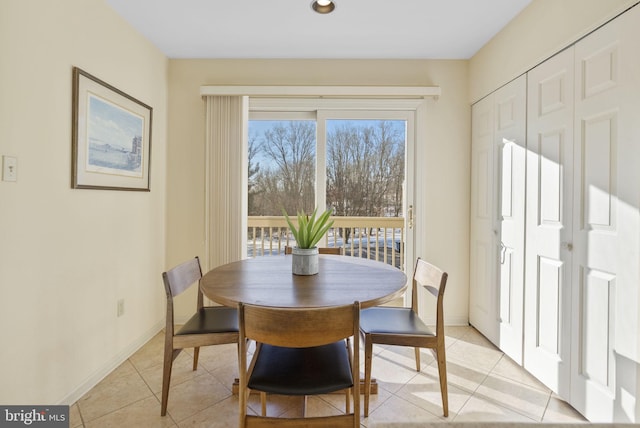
(268, 281)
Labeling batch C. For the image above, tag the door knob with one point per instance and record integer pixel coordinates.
(567, 246)
(410, 215)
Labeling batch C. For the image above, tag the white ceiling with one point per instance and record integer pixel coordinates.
(406, 29)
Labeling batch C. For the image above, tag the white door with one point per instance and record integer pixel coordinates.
(548, 224)
(483, 292)
(497, 216)
(606, 222)
(510, 141)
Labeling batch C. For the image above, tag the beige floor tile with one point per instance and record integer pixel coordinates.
(559, 411)
(224, 353)
(456, 332)
(376, 400)
(226, 374)
(388, 372)
(221, 361)
(518, 397)
(337, 400)
(377, 349)
(405, 355)
(484, 385)
(473, 335)
(75, 420)
(143, 413)
(181, 371)
(195, 395)
(121, 388)
(478, 409)
(277, 405)
(151, 354)
(398, 410)
(506, 367)
(460, 374)
(221, 415)
(316, 407)
(476, 351)
(424, 391)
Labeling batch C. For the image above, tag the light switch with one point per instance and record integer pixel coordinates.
(9, 168)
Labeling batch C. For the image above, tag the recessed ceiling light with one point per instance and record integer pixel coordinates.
(323, 6)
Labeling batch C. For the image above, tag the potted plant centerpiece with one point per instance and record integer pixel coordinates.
(307, 234)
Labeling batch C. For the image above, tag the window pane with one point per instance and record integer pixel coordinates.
(282, 159)
(365, 167)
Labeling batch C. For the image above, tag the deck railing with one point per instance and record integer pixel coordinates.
(375, 238)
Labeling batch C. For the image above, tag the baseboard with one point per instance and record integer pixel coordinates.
(449, 321)
(456, 321)
(111, 365)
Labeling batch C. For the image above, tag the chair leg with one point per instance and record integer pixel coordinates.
(196, 354)
(347, 404)
(242, 401)
(368, 356)
(166, 379)
(304, 406)
(263, 403)
(442, 372)
(348, 399)
(417, 350)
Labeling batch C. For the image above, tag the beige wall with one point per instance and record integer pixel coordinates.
(67, 256)
(445, 157)
(544, 28)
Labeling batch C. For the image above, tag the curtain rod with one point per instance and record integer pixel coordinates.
(322, 91)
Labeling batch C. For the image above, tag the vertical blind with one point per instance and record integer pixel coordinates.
(226, 178)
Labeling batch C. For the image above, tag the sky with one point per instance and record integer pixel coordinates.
(112, 124)
(258, 127)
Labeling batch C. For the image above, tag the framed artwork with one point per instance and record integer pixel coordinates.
(111, 135)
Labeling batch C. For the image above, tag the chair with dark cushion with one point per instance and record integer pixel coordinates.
(403, 327)
(210, 325)
(300, 352)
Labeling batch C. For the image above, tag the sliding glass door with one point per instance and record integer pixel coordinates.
(354, 161)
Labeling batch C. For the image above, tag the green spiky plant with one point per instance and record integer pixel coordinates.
(310, 229)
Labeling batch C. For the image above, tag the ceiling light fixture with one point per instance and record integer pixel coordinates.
(323, 6)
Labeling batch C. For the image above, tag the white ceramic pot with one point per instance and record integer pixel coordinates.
(304, 261)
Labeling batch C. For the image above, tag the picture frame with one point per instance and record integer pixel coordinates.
(111, 137)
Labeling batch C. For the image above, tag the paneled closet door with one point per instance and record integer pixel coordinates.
(483, 292)
(606, 262)
(547, 325)
(510, 141)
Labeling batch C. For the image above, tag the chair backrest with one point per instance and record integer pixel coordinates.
(177, 280)
(181, 277)
(301, 328)
(337, 251)
(434, 280)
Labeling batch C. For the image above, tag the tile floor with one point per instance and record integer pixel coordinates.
(484, 385)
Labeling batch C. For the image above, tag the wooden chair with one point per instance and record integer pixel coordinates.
(212, 325)
(300, 352)
(321, 250)
(403, 327)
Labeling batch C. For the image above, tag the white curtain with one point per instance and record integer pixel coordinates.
(226, 178)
